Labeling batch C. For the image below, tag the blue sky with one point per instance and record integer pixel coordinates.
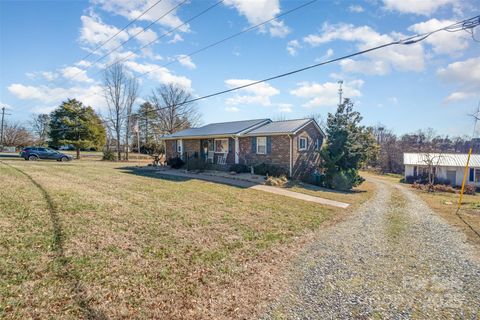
(430, 84)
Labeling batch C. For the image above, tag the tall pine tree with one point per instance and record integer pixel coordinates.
(348, 145)
(74, 124)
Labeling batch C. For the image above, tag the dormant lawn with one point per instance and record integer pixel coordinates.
(92, 239)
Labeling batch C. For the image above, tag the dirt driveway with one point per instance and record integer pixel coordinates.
(395, 259)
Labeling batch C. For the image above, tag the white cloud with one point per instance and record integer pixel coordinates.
(132, 9)
(402, 58)
(422, 7)
(74, 73)
(160, 74)
(326, 94)
(47, 75)
(176, 38)
(278, 29)
(327, 55)
(232, 109)
(258, 11)
(256, 94)
(5, 105)
(285, 107)
(458, 96)
(91, 95)
(393, 100)
(356, 8)
(293, 46)
(144, 37)
(83, 63)
(94, 33)
(186, 61)
(465, 75)
(442, 42)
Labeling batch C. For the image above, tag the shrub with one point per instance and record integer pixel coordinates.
(239, 168)
(108, 155)
(470, 189)
(444, 188)
(270, 169)
(276, 181)
(175, 163)
(341, 181)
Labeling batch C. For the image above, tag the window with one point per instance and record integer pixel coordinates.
(317, 144)
(221, 145)
(302, 143)
(477, 175)
(261, 145)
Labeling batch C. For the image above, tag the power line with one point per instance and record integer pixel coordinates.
(141, 31)
(219, 41)
(458, 26)
(168, 32)
(130, 38)
(230, 37)
(116, 34)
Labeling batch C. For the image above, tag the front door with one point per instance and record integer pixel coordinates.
(452, 177)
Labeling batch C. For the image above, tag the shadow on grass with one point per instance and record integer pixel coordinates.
(150, 172)
(67, 272)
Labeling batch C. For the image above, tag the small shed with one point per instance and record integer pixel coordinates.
(447, 166)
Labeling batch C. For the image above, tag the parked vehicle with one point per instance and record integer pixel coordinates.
(42, 153)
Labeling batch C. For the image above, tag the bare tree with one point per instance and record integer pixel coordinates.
(120, 95)
(431, 161)
(319, 119)
(16, 135)
(174, 111)
(40, 125)
(132, 95)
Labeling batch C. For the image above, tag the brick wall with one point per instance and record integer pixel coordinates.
(170, 151)
(279, 155)
(305, 162)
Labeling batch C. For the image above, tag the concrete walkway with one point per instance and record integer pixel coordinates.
(255, 186)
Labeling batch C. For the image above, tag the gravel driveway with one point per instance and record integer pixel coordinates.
(394, 259)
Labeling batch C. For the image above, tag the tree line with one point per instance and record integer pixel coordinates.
(130, 123)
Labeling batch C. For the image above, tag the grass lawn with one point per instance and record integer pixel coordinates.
(92, 239)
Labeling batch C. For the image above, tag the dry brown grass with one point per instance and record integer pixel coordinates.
(122, 243)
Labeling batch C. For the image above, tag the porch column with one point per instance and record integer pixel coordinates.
(291, 156)
(180, 148)
(237, 150)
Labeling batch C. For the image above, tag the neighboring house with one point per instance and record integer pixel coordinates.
(292, 144)
(447, 166)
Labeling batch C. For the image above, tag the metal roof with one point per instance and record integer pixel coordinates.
(286, 126)
(441, 159)
(217, 129)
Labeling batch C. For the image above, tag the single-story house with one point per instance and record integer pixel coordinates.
(292, 144)
(446, 166)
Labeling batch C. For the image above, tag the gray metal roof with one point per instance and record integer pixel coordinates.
(217, 129)
(441, 159)
(286, 126)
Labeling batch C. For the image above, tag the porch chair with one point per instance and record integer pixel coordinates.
(210, 156)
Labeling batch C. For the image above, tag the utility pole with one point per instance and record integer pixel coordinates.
(1, 127)
(340, 91)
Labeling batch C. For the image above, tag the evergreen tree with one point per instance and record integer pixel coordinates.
(348, 146)
(74, 124)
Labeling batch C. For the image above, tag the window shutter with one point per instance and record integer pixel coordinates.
(230, 145)
(269, 145)
(306, 142)
(298, 143)
(472, 174)
(254, 144)
(174, 147)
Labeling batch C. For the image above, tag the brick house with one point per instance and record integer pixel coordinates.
(292, 144)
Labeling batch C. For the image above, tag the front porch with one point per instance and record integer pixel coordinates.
(215, 151)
